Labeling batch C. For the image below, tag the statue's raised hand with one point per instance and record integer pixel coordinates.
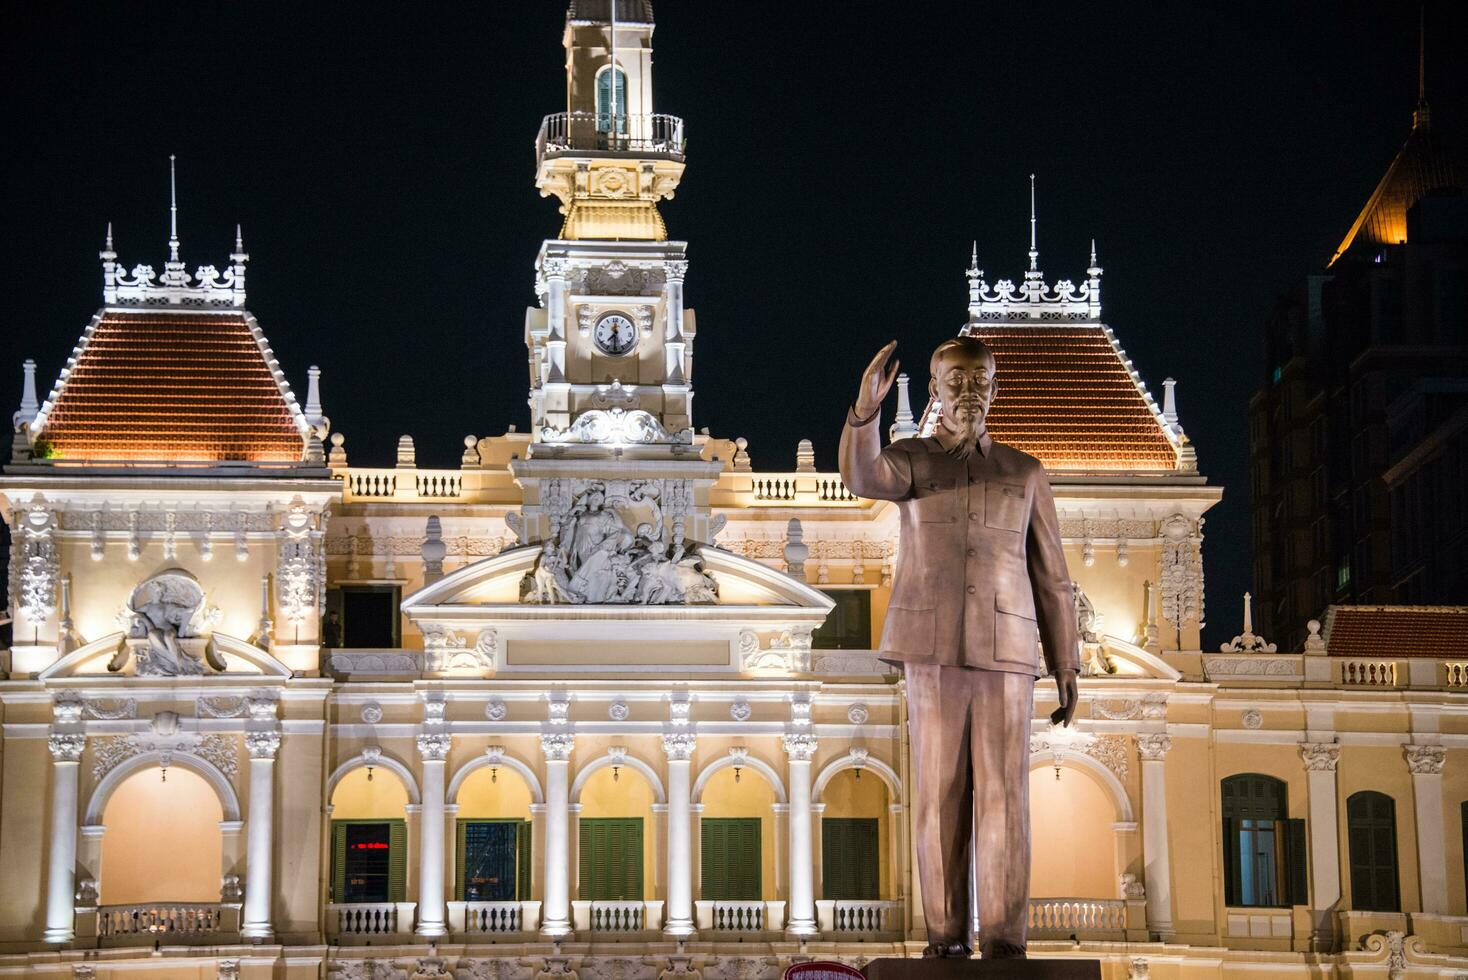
(876, 381)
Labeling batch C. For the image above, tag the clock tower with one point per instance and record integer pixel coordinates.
(610, 343)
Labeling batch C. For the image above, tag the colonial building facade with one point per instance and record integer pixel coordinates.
(602, 701)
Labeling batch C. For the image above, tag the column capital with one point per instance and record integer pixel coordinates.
(679, 746)
(676, 270)
(262, 745)
(557, 746)
(1320, 756)
(434, 746)
(1424, 760)
(67, 747)
(1152, 747)
(800, 746)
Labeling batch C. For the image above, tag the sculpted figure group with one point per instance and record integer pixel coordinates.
(598, 558)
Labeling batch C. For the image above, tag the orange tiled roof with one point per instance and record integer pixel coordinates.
(1397, 631)
(172, 387)
(1423, 164)
(1067, 397)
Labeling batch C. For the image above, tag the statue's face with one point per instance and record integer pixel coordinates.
(964, 386)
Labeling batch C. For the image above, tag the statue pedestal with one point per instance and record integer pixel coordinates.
(941, 969)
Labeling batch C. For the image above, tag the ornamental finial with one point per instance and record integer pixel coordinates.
(108, 244)
(1034, 247)
(172, 209)
(239, 242)
(1421, 116)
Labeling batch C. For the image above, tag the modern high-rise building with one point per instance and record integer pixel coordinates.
(602, 701)
(1353, 468)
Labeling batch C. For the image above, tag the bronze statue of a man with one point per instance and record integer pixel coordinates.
(980, 573)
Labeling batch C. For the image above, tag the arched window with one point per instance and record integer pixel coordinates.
(609, 113)
(1263, 850)
(1371, 829)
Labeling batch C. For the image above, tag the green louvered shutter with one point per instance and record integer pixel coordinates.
(611, 859)
(524, 862)
(459, 827)
(731, 859)
(849, 858)
(1297, 890)
(1232, 866)
(338, 860)
(397, 856)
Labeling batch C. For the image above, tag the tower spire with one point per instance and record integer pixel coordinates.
(1421, 116)
(1034, 271)
(172, 209)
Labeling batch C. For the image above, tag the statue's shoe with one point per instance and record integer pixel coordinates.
(956, 951)
(1000, 949)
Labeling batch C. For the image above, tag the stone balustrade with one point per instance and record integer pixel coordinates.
(859, 917)
(160, 920)
(493, 918)
(369, 919)
(1081, 918)
(616, 918)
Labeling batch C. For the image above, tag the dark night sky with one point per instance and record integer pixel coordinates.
(841, 158)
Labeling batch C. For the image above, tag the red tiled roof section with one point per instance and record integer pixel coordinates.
(1397, 631)
(172, 387)
(1066, 397)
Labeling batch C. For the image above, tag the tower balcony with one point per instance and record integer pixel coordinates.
(578, 134)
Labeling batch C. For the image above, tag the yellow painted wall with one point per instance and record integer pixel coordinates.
(750, 797)
(484, 796)
(27, 766)
(162, 841)
(847, 796)
(1072, 843)
(628, 795)
(383, 797)
(100, 588)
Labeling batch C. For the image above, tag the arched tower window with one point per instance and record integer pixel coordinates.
(1263, 850)
(611, 115)
(1371, 828)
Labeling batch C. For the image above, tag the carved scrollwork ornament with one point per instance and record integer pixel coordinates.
(1320, 756)
(262, 745)
(434, 747)
(800, 747)
(1425, 760)
(67, 747)
(679, 746)
(557, 746)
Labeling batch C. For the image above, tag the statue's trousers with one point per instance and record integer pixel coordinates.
(970, 734)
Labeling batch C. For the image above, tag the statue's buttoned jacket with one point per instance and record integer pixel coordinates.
(980, 566)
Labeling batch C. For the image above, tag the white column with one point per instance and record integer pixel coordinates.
(66, 754)
(1321, 759)
(555, 910)
(1426, 763)
(260, 836)
(1156, 856)
(679, 910)
(800, 917)
(432, 910)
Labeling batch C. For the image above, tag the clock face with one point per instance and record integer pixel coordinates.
(615, 334)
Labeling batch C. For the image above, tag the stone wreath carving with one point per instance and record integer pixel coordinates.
(613, 544)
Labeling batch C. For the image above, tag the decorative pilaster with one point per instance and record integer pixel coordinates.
(433, 747)
(801, 915)
(1321, 759)
(555, 918)
(260, 835)
(679, 747)
(1426, 764)
(66, 754)
(1156, 855)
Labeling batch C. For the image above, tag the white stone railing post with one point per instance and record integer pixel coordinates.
(801, 918)
(555, 919)
(679, 747)
(1321, 759)
(433, 747)
(260, 836)
(1426, 763)
(1156, 855)
(66, 755)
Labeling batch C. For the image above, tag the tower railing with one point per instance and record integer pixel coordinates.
(601, 132)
